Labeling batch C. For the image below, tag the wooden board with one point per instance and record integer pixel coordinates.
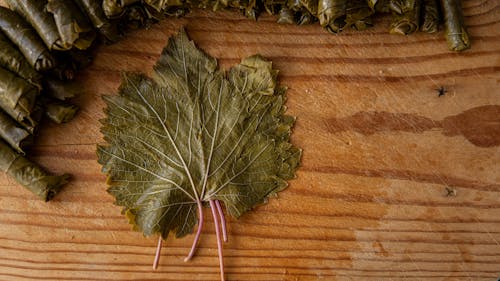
(370, 200)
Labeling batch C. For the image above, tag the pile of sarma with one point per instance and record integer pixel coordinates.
(40, 42)
(334, 15)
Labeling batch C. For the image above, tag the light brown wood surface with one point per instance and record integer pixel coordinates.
(369, 202)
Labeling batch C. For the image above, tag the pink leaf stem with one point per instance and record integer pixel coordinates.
(158, 253)
(219, 241)
(222, 220)
(198, 232)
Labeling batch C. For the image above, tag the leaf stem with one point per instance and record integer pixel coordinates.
(158, 253)
(198, 232)
(222, 220)
(219, 242)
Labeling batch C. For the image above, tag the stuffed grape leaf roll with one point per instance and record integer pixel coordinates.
(60, 111)
(26, 39)
(456, 34)
(95, 12)
(35, 12)
(13, 60)
(29, 174)
(17, 97)
(13, 134)
(73, 26)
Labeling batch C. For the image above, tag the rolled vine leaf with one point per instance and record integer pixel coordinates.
(35, 12)
(73, 26)
(456, 35)
(17, 97)
(29, 174)
(430, 12)
(13, 134)
(358, 15)
(36, 117)
(137, 16)
(311, 6)
(304, 17)
(13, 60)
(274, 7)
(286, 15)
(26, 39)
(162, 5)
(380, 6)
(59, 111)
(107, 28)
(116, 8)
(401, 6)
(331, 11)
(408, 22)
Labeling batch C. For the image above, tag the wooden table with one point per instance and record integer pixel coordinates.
(370, 202)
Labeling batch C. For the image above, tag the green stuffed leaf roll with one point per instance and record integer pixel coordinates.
(372, 3)
(304, 17)
(430, 13)
(59, 111)
(13, 60)
(252, 11)
(402, 6)
(73, 26)
(36, 117)
(93, 9)
(29, 174)
(294, 5)
(13, 134)
(330, 11)
(115, 8)
(161, 5)
(358, 15)
(36, 14)
(137, 16)
(379, 6)
(26, 39)
(456, 34)
(286, 16)
(311, 6)
(17, 97)
(408, 22)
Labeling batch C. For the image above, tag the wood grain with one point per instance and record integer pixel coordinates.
(369, 203)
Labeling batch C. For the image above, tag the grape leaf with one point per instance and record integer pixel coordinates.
(195, 136)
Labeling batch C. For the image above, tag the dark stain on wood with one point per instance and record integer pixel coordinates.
(368, 123)
(479, 125)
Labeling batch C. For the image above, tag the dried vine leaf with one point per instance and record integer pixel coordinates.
(194, 135)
